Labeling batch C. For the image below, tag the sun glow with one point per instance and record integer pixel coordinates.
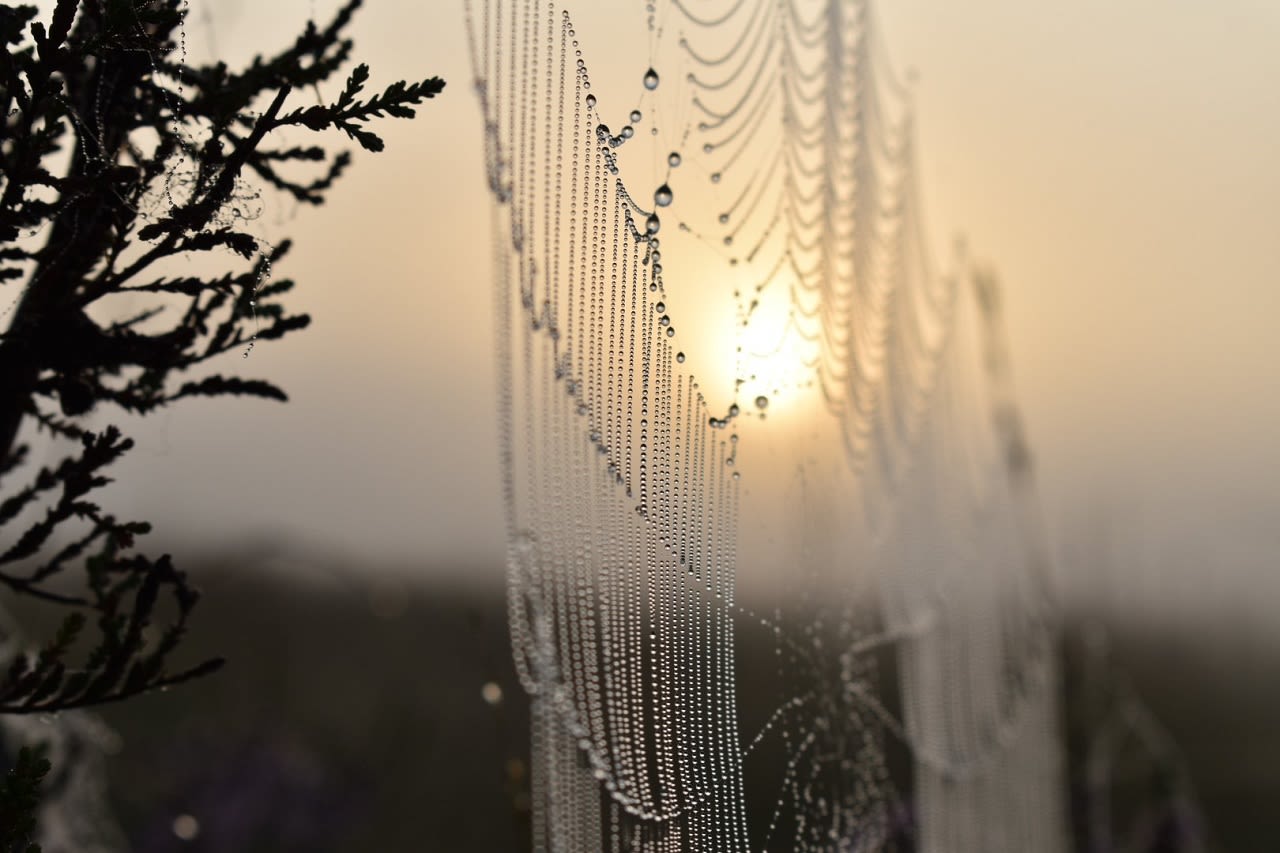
(775, 363)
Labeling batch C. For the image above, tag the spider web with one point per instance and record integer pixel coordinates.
(775, 576)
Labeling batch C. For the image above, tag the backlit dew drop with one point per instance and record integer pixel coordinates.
(591, 102)
(186, 827)
(671, 331)
(715, 177)
(724, 219)
(762, 402)
(733, 410)
(627, 131)
(635, 116)
(492, 693)
(652, 224)
(660, 307)
(651, 79)
(673, 159)
(680, 357)
(662, 196)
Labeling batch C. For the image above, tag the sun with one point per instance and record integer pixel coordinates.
(775, 363)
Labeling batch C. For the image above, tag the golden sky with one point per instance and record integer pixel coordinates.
(1114, 161)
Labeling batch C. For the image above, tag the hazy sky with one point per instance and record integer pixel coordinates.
(1115, 162)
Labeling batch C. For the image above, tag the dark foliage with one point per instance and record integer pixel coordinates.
(115, 156)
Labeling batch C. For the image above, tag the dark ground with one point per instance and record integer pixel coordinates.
(350, 717)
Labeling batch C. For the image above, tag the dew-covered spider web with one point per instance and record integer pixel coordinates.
(775, 577)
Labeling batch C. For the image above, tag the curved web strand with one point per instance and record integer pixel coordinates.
(890, 679)
(619, 500)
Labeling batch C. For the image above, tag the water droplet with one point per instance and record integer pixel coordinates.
(762, 402)
(673, 159)
(671, 331)
(663, 195)
(627, 131)
(657, 269)
(733, 410)
(186, 827)
(635, 116)
(724, 219)
(715, 177)
(651, 79)
(737, 476)
(591, 102)
(492, 693)
(664, 320)
(728, 241)
(660, 307)
(707, 149)
(652, 224)
(680, 357)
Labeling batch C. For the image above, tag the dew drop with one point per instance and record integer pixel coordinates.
(673, 159)
(186, 827)
(715, 177)
(651, 79)
(671, 331)
(680, 357)
(664, 320)
(707, 148)
(660, 307)
(652, 224)
(492, 693)
(591, 102)
(627, 131)
(762, 402)
(635, 116)
(733, 410)
(724, 219)
(663, 195)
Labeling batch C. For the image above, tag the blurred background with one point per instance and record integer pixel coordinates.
(1115, 163)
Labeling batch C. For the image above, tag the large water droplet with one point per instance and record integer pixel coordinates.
(591, 102)
(662, 196)
(652, 224)
(680, 357)
(715, 177)
(673, 159)
(660, 307)
(671, 331)
(762, 402)
(627, 131)
(651, 79)
(635, 116)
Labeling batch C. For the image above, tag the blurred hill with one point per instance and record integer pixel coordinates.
(354, 715)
